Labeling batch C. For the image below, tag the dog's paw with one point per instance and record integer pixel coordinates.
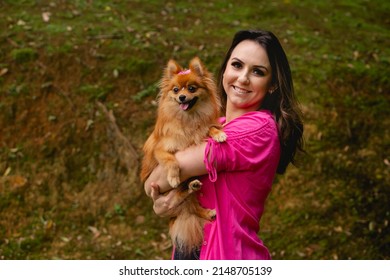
(220, 136)
(194, 186)
(212, 215)
(173, 181)
(173, 177)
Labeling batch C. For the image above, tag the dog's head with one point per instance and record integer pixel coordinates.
(187, 87)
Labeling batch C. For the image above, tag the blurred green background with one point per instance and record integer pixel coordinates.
(77, 101)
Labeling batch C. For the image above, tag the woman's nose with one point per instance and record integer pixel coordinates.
(243, 78)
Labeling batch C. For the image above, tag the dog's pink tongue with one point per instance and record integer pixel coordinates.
(184, 106)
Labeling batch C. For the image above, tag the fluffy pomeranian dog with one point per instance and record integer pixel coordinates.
(188, 112)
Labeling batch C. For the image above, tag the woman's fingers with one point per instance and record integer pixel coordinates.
(167, 204)
(155, 191)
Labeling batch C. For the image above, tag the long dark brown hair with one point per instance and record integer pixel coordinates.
(282, 101)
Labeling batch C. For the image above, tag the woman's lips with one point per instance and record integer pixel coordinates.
(240, 90)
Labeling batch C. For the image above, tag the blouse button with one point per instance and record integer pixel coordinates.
(204, 243)
(201, 194)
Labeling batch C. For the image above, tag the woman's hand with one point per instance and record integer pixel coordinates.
(166, 204)
(157, 177)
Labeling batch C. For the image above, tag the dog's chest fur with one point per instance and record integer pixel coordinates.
(177, 136)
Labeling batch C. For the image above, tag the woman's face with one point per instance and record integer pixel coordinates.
(247, 77)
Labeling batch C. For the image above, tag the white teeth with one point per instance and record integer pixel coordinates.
(240, 90)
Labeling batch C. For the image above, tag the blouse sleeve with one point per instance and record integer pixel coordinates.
(252, 141)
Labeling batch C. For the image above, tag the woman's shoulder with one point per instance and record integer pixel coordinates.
(251, 123)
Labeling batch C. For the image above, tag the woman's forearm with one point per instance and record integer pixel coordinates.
(191, 164)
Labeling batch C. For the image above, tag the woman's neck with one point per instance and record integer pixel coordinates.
(232, 113)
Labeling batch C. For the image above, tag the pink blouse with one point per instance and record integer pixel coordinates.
(241, 171)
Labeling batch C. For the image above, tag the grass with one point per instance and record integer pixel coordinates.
(67, 192)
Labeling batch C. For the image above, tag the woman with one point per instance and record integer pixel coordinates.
(264, 129)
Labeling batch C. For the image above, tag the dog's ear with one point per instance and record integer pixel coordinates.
(197, 67)
(172, 68)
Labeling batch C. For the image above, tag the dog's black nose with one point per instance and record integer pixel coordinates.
(182, 98)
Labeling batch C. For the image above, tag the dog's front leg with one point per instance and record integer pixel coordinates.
(217, 134)
(169, 162)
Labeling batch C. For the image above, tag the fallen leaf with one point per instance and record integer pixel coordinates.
(7, 172)
(48, 225)
(95, 231)
(46, 16)
(338, 229)
(21, 22)
(3, 71)
(115, 73)
(65, 239)
(89, 125)
(17, 181)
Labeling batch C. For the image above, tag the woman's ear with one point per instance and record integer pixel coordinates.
(272, 89)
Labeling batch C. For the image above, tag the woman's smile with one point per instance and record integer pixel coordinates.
(240, 90)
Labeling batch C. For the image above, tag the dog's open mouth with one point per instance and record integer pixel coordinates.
(185, 106)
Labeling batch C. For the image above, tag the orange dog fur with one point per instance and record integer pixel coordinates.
(188, 111)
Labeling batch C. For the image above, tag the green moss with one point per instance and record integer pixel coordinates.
(24, 55)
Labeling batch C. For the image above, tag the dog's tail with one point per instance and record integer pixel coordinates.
(186, 229)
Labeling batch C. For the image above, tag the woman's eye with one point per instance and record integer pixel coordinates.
(236, 64)
(175, 89)
(258, 72)
(191, 89)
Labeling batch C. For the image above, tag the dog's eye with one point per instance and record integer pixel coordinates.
(175, 89)
(191, 89)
